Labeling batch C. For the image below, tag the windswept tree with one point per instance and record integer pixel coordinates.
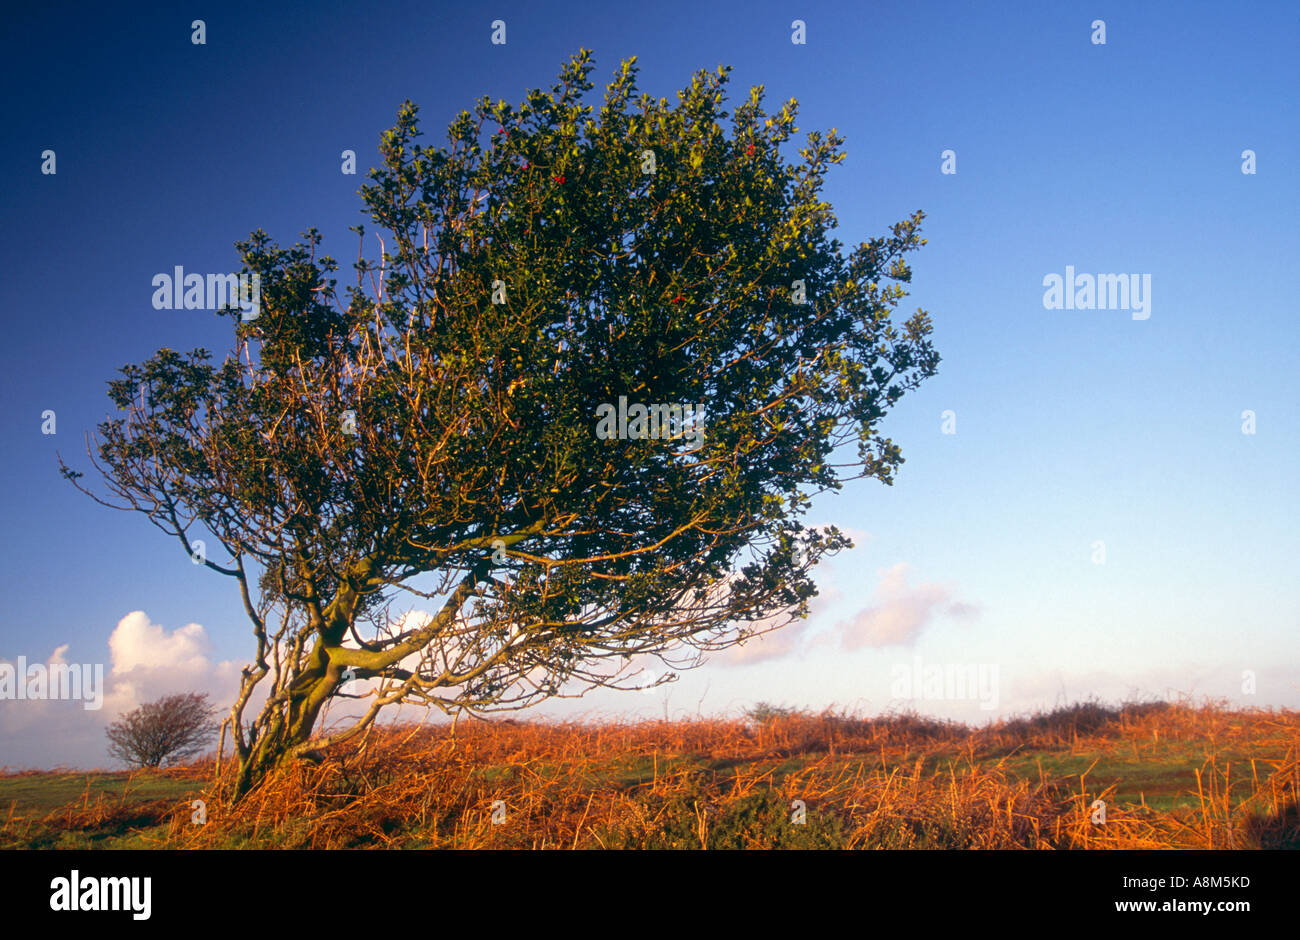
(484, 426)
(170, 729)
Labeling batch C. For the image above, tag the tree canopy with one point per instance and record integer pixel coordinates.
(171, 729)
(431, 432)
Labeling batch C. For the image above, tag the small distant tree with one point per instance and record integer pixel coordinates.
(171, 729)
(763, 713)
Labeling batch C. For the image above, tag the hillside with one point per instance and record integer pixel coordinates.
(1171, 776)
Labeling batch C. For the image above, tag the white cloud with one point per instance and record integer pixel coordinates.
(903, 611)
(27, 717)
(782, 642)
(778, 644)
(138, 643)
(149, 662)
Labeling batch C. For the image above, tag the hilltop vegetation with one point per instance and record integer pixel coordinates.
(1170, 775)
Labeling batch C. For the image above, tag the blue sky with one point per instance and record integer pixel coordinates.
(1072, 426)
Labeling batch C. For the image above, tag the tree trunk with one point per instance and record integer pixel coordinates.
(285, 735)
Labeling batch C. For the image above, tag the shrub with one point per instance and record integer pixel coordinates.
(170, 729)
(763, 712)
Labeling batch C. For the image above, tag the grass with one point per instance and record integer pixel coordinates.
(76, 809)
(1172, 775)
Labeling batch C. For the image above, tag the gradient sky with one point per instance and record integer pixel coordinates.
(1073, 426)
